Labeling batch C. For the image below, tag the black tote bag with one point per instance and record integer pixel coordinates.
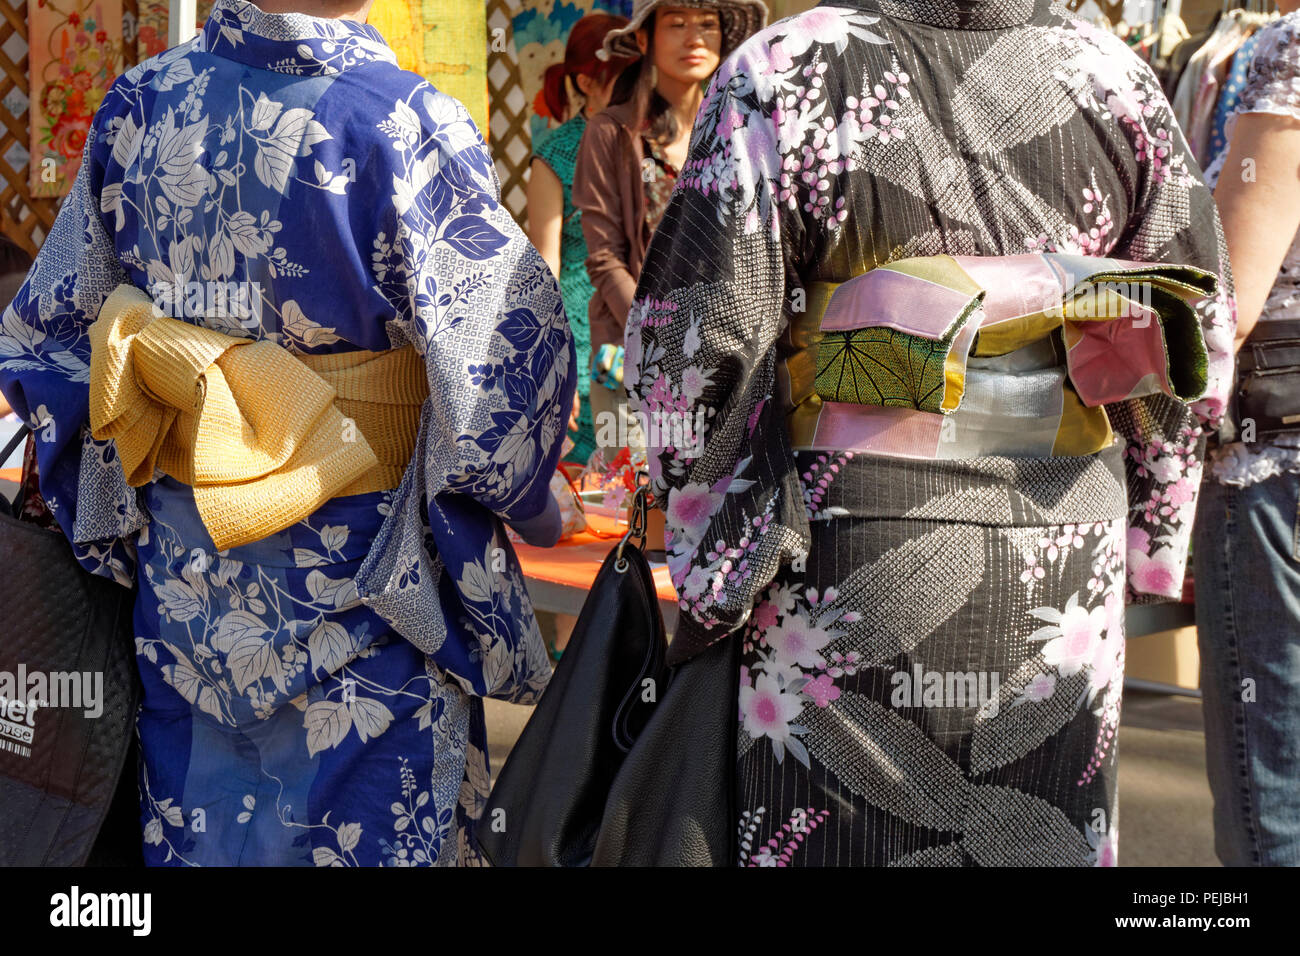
(624, 761)
(60, 769)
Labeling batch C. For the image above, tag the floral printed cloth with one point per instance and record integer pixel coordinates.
(940, 684)
(311, 697)
(854, 135)
(873, 594)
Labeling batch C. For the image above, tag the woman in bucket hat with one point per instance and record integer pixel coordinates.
(632, 151)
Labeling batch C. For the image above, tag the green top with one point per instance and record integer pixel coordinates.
(559, 151)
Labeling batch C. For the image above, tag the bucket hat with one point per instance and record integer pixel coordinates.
(740, 19)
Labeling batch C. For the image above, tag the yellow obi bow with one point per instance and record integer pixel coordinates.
(263, 436)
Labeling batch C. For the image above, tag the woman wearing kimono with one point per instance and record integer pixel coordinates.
(284, 274)
(908, 132)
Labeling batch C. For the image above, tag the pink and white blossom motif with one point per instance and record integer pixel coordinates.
(1071, 635)
(696, 581)
(767, 709)
(689, 509)
(780, 849)
(1105, 847)
(1105, 659)
(1154, 575)
(1108, 710)
(1040, 687)
(822, 690)
(816, 483)
(1094, 239)
(796, 640)
(694, 381)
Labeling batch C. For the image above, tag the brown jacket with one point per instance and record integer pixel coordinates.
(607, 187)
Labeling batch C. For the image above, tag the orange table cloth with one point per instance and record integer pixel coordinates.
(574, 563)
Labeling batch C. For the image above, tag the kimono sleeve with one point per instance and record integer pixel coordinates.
(700, 366)
(45, 374)
(1174, 220)
(482, 307)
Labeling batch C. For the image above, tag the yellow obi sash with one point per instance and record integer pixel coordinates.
(264, 437)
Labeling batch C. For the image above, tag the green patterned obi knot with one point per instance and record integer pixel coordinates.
(1017, 344)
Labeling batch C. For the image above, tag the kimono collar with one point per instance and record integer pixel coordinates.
(291, 42)
(961, 14)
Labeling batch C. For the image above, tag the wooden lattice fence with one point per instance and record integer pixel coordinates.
(508, 119)
(24, 219)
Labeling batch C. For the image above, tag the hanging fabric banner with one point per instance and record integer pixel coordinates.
(541, 30)
(76, 53)
(445, 41)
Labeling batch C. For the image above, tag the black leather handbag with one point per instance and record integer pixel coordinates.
(64, 762)
(624, 761)
(1267, 399)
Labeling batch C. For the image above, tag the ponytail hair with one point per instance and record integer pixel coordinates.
(580, 59)
(553, 100)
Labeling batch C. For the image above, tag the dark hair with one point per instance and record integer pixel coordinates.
(636, 84)
(580, 59)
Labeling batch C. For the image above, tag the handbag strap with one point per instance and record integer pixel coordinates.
(18, 439)
(637, 520)
(14, 508)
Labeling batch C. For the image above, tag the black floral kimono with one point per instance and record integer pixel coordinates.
(932, 650)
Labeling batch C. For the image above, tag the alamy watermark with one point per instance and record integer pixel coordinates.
(659, 429)
(23, 695)
(921, 688)
(75, 908)
(239, 301)
(1110, 300)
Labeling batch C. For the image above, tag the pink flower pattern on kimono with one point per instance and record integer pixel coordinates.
(1071, 635)
(775, 852)
(777, 183)
(1105, 846)
(768, 708)
(1092, 240)
(790, 628)
(1157, 559)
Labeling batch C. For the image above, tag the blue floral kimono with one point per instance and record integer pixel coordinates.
(315, 696)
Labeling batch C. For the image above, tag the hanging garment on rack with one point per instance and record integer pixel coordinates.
(1189, 83)
(1172, 32)
(1179, 61)
(1214, 85)
(1221, 49)
(1231, 95)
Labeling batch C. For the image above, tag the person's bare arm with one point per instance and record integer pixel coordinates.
(545, 213)
(1259, 201)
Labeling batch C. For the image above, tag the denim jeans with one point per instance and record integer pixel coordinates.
(1247, 571)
